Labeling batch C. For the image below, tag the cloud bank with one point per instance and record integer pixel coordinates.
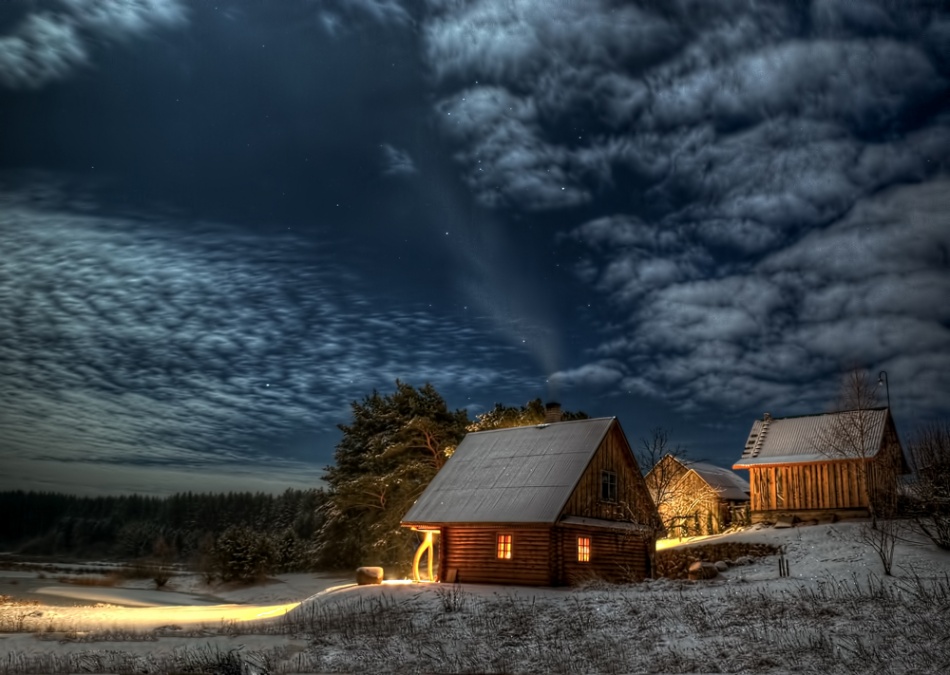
(53, 39)
(145, 343)
(769, 178)
(867, 290)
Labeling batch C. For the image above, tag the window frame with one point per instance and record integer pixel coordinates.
(583, 548)
(609, 486)
(504, 546)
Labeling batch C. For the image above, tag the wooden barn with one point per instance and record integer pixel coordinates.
(824, 466)
(544, 505)
(697, 498)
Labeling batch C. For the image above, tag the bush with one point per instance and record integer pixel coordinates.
(242, 554)
(930, 459)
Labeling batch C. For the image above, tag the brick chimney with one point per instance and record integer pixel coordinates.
(552, 412)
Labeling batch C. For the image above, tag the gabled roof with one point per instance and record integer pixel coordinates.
(799, 440)
(517, 475)
(728, 484)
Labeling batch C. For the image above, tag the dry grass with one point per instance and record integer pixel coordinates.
(860, 625)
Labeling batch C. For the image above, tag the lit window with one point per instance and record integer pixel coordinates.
(608, 486)
(504, 547)
(583, 549)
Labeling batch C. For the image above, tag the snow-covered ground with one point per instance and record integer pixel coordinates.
(836, 612)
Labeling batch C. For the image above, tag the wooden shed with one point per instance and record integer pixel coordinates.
(697, 498)
(544, 505)
(822, 466)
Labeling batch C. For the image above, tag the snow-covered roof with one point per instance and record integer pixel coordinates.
(799, 440)
(607, 524)
(728, 484)
(517, 475)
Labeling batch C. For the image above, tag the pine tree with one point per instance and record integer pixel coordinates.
(392, 448)
(504, 417)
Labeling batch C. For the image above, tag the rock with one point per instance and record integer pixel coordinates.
(702, 570)
(782, 524)
(721, 565)
(745, 560)
(369, 575)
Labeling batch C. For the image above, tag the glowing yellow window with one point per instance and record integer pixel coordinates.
(583, 549)
(504, 547)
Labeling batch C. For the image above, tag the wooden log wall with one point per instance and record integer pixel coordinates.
(471, 552)
(616, 557)
(797, 487)
(633, 503)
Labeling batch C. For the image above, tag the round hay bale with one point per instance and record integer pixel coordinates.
(366, 576)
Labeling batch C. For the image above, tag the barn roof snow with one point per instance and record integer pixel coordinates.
(517, 475)
(799, 440)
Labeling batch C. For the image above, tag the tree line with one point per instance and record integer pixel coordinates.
(204, 529)
(389, 451)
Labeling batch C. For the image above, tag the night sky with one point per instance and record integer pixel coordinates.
(221, 222)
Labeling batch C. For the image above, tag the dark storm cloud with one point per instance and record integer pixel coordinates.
(765, 167)
(130, 342)
(53, 38)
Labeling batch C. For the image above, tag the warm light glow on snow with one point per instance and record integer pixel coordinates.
(153, 617)
(667, 543)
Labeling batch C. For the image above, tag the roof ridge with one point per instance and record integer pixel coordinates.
(823, 414)
(540, 425)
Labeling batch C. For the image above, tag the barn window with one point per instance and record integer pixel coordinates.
(503, 549)
(583, 549)
(608, 486)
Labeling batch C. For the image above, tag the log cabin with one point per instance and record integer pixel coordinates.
(697, 498)
(823, 467)
(545, 505)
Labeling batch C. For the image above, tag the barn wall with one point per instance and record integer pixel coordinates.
(470, 551)
(796, 488)
(615, 556)
(633, 504)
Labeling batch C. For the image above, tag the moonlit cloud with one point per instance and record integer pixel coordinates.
(126, 18)
(338, 16)
(56, 38)
(189, 345)
(44, 47)
(597, 375)
(88, 477)
(397, 162)
(768, 171)
(868, 289)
